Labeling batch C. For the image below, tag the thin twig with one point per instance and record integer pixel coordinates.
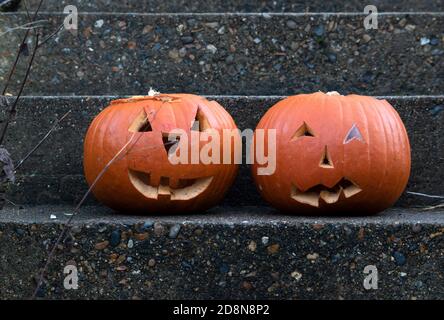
(51, 35)
(25, 4)
(42, 140)
(65, 229)
(13, 108)
(19, 52)
(425, 195)
(7, 200)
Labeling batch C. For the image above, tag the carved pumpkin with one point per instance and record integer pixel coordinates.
(335, 155)
(143, 179)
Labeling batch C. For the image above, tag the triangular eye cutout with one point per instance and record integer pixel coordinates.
(200, 122)
(141, 124)
(303, 131)
(353, 134)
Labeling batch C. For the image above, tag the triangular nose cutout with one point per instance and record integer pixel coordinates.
(326, 161)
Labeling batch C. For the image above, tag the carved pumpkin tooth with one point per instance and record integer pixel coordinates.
(310, 197)
(351, 190)
(331, 196)
(164, 190)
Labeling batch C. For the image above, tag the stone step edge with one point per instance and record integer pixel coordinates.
(221, 215)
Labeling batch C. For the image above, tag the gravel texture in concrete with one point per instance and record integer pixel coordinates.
(230, 253)
(221, 54)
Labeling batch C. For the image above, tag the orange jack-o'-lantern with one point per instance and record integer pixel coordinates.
(143, 179)
(335, 155)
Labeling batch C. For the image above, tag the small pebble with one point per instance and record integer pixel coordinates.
(147, 225)
(265, 240)
(212, 24)
(130, 243)
(403, 22)
(224, 268)
(291, 24)
(115, 238)
(174, 231)
(187, 39)
(410, 27)
(296, 275)
(399, 258)
(211, 48)
(366, 38)
(437, 110)
(158, 229)
(272, 249)
(173, 54)
(416, 228)
(252, 246)
(19, 232)
(332, 57)
(247, 285)
(368, 77)
(99, 23)
(101, 245)
(312, 256)
(141, 236)
(424, 41)
(229, 59)
(151, 263)
(434, 41)
(319, 30)
(419, 284)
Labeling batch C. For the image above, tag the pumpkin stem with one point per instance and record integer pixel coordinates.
(153, 92)
(333, 93)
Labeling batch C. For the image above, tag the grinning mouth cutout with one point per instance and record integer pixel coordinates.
(329, 195)
(187, 188)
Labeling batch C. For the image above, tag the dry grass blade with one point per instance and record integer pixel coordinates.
(42, 140)
(425, 195)
(438, 206)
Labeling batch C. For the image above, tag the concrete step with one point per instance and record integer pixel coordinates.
(54, 174)
(246, 54)
(229, 253)
(238, 5)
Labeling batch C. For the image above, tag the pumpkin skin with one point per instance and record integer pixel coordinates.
(335, 155)
(143, 180)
